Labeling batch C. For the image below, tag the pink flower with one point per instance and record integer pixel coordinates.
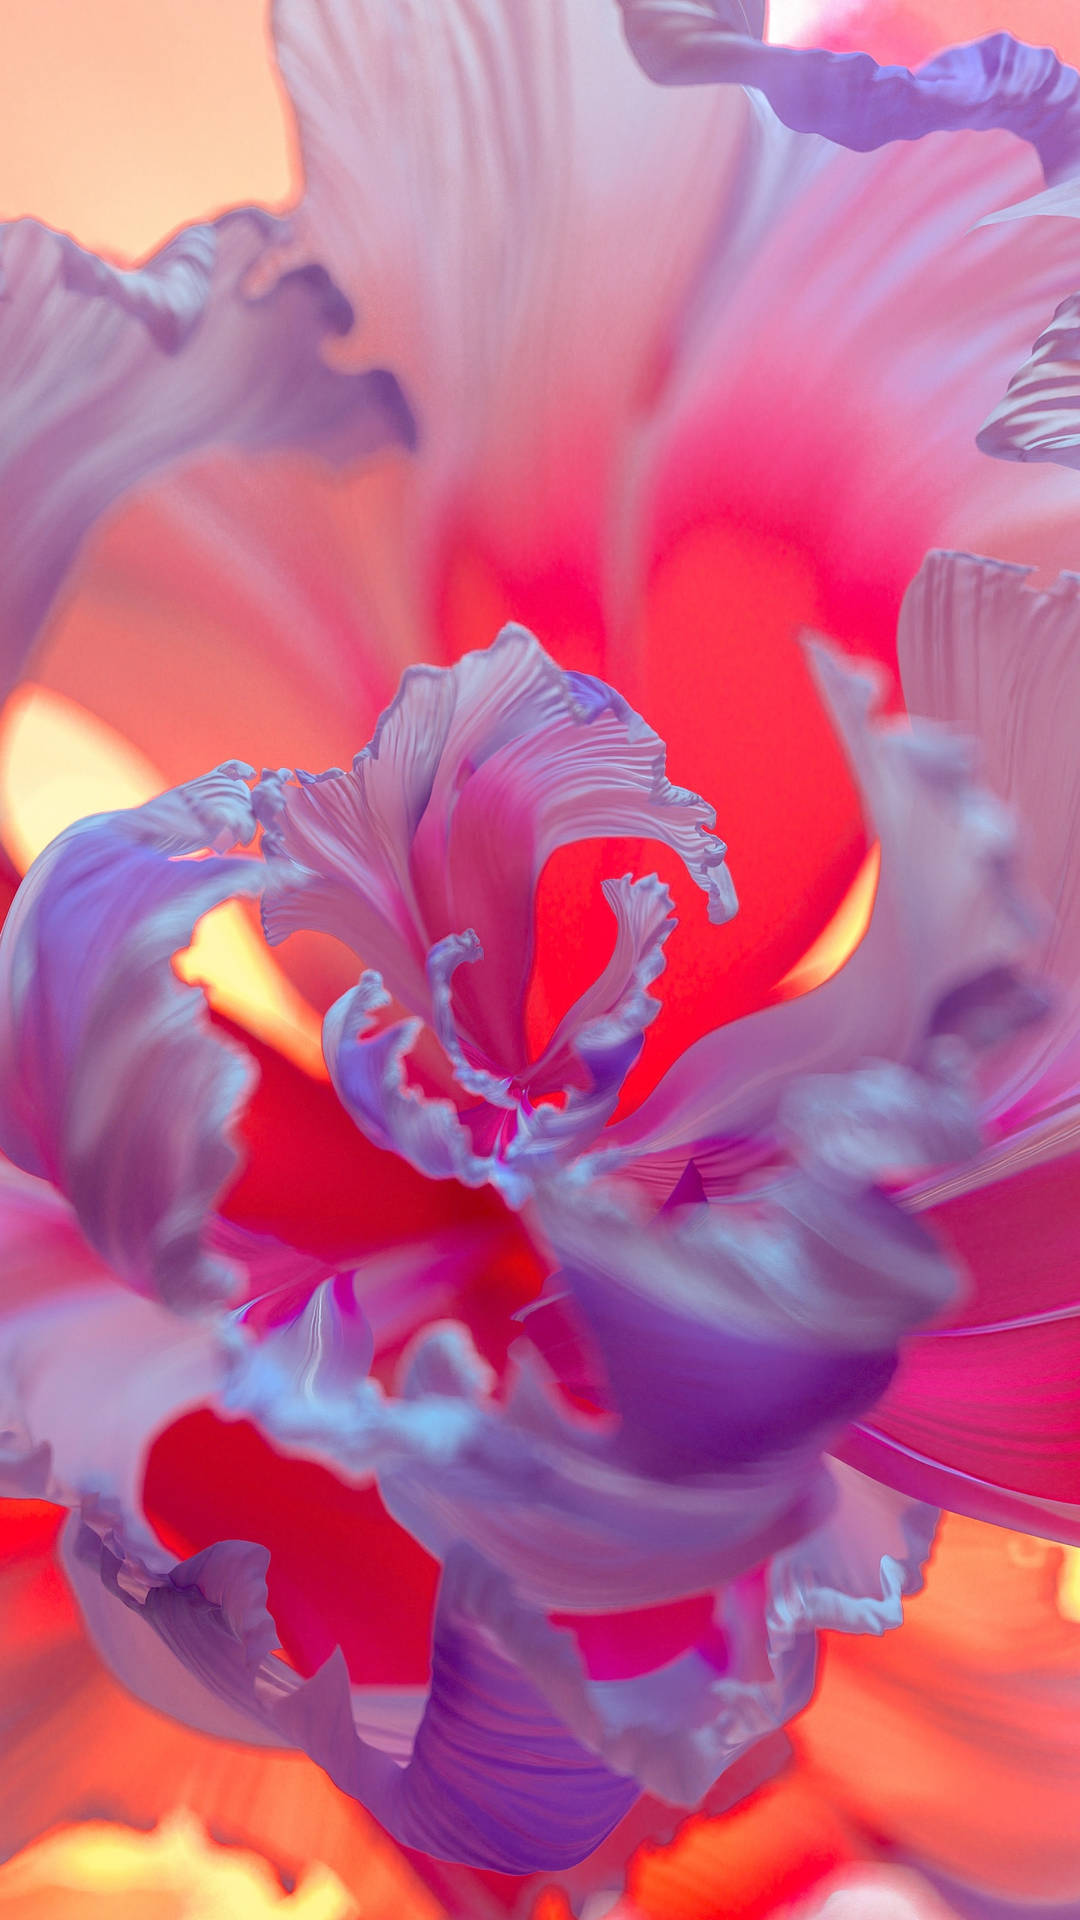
(759, 411)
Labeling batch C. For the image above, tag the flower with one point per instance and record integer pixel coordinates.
(603, 513)
(526, 1753)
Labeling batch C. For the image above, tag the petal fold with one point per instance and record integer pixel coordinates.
(950, 915)
(984, 651)
(113, 1086)
(425, 860)
(495, 1778)
(111, 375)
(997, 82)
(1039, 416)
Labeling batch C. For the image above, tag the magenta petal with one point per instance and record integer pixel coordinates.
(113, 1086)
(999, 1405)
(922, 1478)
(108, 376)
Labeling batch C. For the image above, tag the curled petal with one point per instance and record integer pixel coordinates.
(612, 1015)
(600, 1038)
(995, 83)
(596, 1044)
(445, 958)
(1039, 417)
(368, 1072)
(985, 651)
(474, 776)
(744, 1328)
(682, 1726)
(112, 1084)
(852, 1574)
(949, 913)
(543, 1497)
(109, 376)
(495, 1778)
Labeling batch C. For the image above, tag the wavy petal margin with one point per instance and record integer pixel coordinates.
(495, 1779)
(951, 925)
(475, 774)
(520, 1761)
(425, 860)
(108, 376)
(113, 1086)
(984, 650)
(996, 83)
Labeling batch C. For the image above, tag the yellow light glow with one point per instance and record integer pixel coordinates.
(1068, 1593)
(1028, 1550)
(174, 1870)
(59, 763)
(842, 935)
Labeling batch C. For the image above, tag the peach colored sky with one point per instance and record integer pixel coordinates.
(120, 119)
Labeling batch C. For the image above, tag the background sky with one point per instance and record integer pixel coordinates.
(121, 119)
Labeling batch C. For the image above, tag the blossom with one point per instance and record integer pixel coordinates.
(589, 488)
(523, 1756)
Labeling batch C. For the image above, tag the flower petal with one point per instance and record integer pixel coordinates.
(948, 913)
(998, 1406)
(110, 375)
(1037, 419)
(853, 1573)
(77, 1743)
(983, 650)
(89, 1373)
(368, 1073)
(111, 1083)
(739, 1332)
(995, 83)
(616, 1009)
(516, 145)
(494, 1779)
(475, 775)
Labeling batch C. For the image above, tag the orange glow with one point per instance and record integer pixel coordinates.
(59, 763)
(1068, 1593)
(758, 1856)
(173, 1873)
(127, 118)
(972, 1703)
(842, 935)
